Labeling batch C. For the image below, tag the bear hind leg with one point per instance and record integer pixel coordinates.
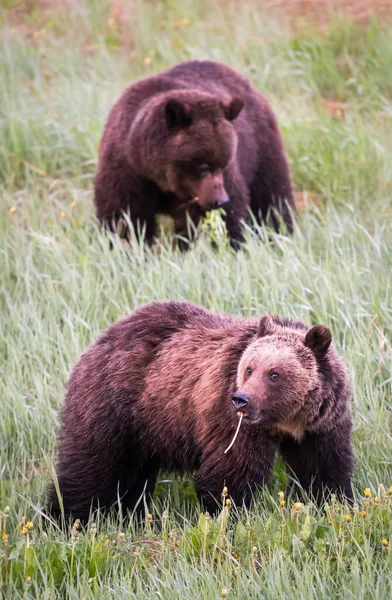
(135, 493)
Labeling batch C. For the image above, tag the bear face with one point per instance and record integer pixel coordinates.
(278, 382)
(198, 144)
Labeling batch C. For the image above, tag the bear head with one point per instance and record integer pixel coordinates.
(279, 385)
(191, 142)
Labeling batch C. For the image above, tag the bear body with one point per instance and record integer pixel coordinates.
(163, 388)
(191, 139)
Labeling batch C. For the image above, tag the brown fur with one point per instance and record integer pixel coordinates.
(188, 140)
(155, 391)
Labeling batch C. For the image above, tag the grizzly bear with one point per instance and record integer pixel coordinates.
(163, 388)
(189, 140)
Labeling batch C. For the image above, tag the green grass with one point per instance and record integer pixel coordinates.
(60, 72)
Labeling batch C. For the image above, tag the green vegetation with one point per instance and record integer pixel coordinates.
(60, 72)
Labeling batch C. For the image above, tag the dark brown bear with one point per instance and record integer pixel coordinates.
(189, 140)
(161, 389)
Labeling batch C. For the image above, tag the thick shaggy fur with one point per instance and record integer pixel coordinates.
(193, 138)
(156, 392)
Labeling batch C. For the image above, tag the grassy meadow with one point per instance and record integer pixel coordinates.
(60, 285)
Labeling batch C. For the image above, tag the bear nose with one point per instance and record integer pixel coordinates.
(240, 399)
(223, 199)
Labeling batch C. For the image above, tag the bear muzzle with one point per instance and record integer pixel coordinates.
(251, 411)
(212, 203)
(223, 199)
(240, 400)
(212, 193)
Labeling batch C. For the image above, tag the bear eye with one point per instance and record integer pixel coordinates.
(274, 376)
(204, 170)
(248, 371)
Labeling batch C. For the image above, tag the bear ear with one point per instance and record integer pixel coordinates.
(318, 339)
(266, 326)
(233, 108)
(177, 114)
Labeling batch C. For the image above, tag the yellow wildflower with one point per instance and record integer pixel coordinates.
(282, 503)
(39, 33)
(185, 22)
(384, 542)
(151, 52)
(73, 204)
(224, 593)
(111, 22)
(297, 506)
(225, 491)
(25, 531)
(147, 60)
(5, 539)
(228, 503)
(29, 525)
(367, 493)
(12, 209)
(347, 517)
(280, 495)
(338, 113)
(62, 214)
(362, 513)
(7, 510)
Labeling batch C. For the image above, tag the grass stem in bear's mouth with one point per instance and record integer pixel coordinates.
(241, 415)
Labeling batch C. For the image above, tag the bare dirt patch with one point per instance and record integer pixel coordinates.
(318, 11)
(321, 11)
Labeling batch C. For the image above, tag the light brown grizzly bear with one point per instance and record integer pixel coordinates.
(188, 140)
(162, 389)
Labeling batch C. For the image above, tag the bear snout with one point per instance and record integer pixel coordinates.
(212, 193)
(240, 400)
(222, 199)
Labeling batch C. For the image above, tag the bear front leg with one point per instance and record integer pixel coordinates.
(322, 463)
(241, 478)
(237, 209)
